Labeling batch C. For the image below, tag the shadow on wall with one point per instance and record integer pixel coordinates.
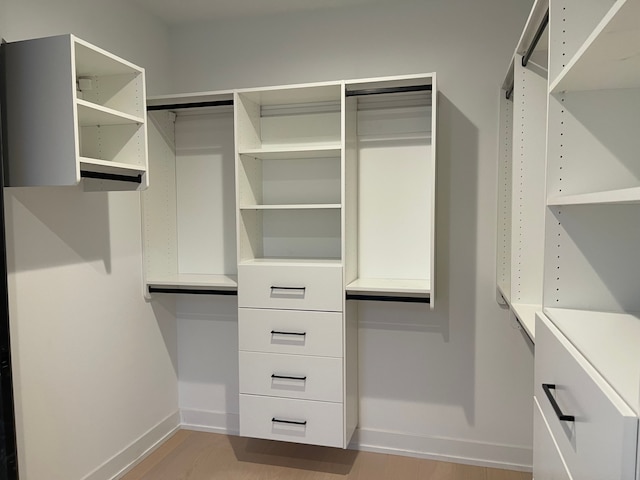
(412, 354)
(56, 226)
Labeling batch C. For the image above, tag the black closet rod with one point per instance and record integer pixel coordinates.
(192, 291)
(383, 90)
(532, 47)
(111, 176)
(384, 298)
(176, 106)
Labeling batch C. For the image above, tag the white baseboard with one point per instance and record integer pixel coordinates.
(453, 450)
(135, 452)
(207, 421)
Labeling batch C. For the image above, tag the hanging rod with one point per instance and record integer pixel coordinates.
(192, 291)
(384, 298)
(177, 106)
(380, 91)
(111, 176)
(536, 38)
(531, 48)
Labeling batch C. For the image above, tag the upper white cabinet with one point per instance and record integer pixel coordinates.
(74, 112)
(390, 173)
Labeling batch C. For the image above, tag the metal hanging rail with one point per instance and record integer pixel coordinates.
(111, 176)
(177, 106)
(382, 91)
(192, 291)
(532, 46)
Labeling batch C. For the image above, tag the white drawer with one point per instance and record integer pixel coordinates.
(317, 423)
(547, 461)
(290, 331)
(290, 287)
(291, 376)
(600, 443)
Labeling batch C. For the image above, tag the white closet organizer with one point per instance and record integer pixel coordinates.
(189, 208)
(87, 110)
(587, 360)
(390, 134)
(521, 173)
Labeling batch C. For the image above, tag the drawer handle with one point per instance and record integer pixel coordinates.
(547, 387)
(289, 377)
(298, 334)
(289, 290)
(289, 422)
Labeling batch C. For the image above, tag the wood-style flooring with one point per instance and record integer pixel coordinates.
(190, 455)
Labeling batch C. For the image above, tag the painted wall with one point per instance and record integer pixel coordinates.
(95, 366)
(453, 383)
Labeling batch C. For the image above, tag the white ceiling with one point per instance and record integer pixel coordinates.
(181, 11)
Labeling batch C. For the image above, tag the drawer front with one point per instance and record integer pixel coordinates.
(547, 461)
(316, 423)
(601, 441)
(290, 331)
(290, 287)
(291, 376)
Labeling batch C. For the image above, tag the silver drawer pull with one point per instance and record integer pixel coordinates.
(547, 387)
(289, 377)
(289, 422)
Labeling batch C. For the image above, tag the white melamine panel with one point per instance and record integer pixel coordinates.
(320, 423)
(91, 114)
(610, 342)
(593, 142)
(547, 460)
(394, 198)
(123, 93)
(571, 23)
(526, 314)
(390, 286)
(350, 181)
(125, 144)
(295, 332)
(290, 233)
(528, 184)
(505, 153)
(295, 128)
(591, 259)
(321, 92)
(205, 193)
(601, 441)
(609, 56)
(195, 281)
(290, 287)
(291, 376)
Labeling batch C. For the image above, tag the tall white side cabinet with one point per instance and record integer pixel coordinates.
(303, 200)
(569, 194)
(75, 114)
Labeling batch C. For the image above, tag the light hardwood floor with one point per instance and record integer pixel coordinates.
(190, 455)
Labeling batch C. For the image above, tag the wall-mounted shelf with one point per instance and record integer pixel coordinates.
(85, 106)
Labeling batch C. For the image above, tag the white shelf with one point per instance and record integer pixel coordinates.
(294, 262)
(622, 196)
(91, 114)
(391, 287)
(609, 57)
(526, 314)
(610, 342)
(311, 206)
(294, 152)
(196, 281)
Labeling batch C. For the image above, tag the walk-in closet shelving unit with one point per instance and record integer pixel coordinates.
(390, 135)
(587, 360)
(74, 112)
(189, 208)
(521, 171)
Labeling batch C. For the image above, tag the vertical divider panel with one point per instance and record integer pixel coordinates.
(528, 184)
(350, 205)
